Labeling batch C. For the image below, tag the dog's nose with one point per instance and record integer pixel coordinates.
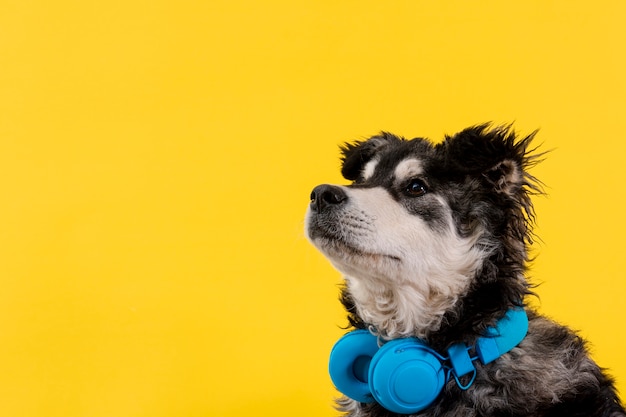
(326, 195)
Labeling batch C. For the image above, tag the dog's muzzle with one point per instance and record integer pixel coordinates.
(326, 197)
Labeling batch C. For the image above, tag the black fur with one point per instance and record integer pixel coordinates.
(482, 173)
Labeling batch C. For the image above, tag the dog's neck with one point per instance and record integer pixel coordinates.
(403, 311)
(400, 310)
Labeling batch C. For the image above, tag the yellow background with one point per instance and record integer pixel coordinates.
(156, 159)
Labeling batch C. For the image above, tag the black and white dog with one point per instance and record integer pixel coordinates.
(433, 242)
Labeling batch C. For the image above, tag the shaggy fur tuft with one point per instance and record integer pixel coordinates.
(433, 243)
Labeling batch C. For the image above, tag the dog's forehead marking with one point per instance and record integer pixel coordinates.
(369, 168)
(407, 168)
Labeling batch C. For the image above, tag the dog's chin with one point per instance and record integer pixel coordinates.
(351, 259)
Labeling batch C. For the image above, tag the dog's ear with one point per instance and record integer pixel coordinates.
(355, 155)
(506, 177)
(495, 155)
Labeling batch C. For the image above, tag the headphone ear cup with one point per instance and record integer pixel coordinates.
(405, 376)
(349, 364)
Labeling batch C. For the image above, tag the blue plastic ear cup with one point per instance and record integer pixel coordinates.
(406, 376)
(350, 362)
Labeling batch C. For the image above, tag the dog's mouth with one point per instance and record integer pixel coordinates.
(341, 239)
(337, 248)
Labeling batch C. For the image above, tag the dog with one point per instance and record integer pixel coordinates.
(433, 241)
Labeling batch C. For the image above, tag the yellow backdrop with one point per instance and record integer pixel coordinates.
(156, 159)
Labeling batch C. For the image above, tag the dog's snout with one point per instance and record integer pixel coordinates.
(325, 195)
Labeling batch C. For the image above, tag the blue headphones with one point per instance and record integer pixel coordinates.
(406, 375)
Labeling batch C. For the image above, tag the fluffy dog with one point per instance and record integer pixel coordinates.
(433, 242)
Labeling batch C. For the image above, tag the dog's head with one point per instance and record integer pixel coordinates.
(429, 236)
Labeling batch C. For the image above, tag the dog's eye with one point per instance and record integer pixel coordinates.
(416, 188)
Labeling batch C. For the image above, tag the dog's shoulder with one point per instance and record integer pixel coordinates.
(550, 373)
